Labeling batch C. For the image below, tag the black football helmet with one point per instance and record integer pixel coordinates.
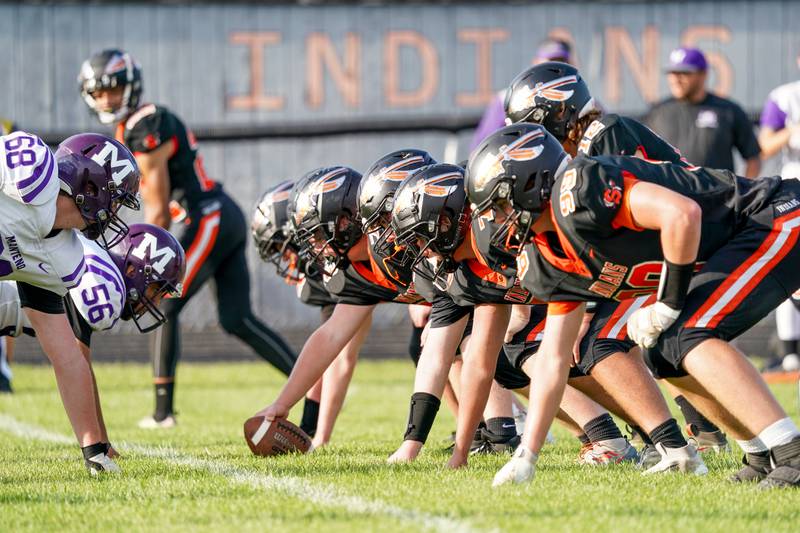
(431, 212)
(552, 94)
(272, 232)
(106, 70)
(324, 214)
(380, 181)
(516, 166)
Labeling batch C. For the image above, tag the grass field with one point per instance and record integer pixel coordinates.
(201, 476)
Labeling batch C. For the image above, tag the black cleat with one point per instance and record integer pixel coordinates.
(786, 473)
(756, 467)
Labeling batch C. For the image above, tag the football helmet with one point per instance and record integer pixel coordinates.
(552, 94)
(152, 263)
(513, 170)
(430, 212)
(272, 232)
(107, 70)
(324, 214)
(101, 175)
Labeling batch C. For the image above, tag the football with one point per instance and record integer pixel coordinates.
(278, 437)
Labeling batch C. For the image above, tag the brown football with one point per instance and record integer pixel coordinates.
(275, 438)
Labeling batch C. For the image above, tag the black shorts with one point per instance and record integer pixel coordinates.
(507, 375)
(606, 336)
(739, 285)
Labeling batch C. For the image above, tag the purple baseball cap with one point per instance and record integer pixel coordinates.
(554, 50)
(687, 59)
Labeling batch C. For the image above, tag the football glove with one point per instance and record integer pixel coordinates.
(520, 469)
(646, 324)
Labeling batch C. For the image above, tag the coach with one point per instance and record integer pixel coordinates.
(703, 126)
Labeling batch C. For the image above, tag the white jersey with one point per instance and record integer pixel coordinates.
(12, 319)
(100, 295)
(29, 188)
(787, 99)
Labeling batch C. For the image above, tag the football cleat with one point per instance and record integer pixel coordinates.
(756, 467)
(707, 441)
(491, 443)
(649, 456)
(150, 422)
(786, 473)
(607, 452)
(685, 459)
(101, 463)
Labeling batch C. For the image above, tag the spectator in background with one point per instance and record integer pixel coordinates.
(494, 117)
(780, 132)
(702, 125)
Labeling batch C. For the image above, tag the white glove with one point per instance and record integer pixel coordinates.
(647, 323)
(520, 469)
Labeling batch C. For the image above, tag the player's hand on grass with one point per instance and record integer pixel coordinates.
(520, 469)
(273, 411)
(457, 460)
(646, 324)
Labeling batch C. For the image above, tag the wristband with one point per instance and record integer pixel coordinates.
(674, 284)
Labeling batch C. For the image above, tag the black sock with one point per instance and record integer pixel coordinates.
(310, 417)
(694, 417)
(668, 434)
(164, 395)
(602, 428)
(642, 434)
(584, 439)
(502, 426)
(789, 347)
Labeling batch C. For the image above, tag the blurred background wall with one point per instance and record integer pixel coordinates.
(276, 89)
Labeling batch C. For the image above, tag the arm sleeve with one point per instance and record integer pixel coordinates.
(745, 137)
(40, 299)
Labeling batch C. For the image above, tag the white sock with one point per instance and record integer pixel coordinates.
(753, 445)
(781, 432)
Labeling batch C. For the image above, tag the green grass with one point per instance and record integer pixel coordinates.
(43, 485)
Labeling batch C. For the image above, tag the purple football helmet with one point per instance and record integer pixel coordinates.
(153, 264)
(101, 175)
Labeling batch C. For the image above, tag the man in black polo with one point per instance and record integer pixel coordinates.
(702, 125)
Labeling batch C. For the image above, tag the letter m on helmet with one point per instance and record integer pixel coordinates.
(121, 168)
(148, 249)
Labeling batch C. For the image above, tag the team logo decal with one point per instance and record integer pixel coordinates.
(612, 196)
(328, 183)
(148, 249)
(394, 172)
(110, 154)
(492, 165)
(525, 98)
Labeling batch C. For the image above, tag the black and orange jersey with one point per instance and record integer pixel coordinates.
(311, 291)
(616, 135)
(490, 278)
(398, 273)
(598, 252)
(151, 126)
(364, 283)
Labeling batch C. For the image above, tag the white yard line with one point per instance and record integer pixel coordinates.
(323, 495)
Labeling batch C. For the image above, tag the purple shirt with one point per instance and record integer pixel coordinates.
(494, 118)
(772, 116)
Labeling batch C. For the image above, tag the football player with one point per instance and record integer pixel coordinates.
(45, 198)
(435, 233)
(126, 282)
(618, 222)
(458, 285)
(555, 95)
(177, 192)
(274, 238)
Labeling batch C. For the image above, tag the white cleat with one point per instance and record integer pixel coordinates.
(101, 463)
(684, 459)
(607, 452)
(149, 422)
(520, 469)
